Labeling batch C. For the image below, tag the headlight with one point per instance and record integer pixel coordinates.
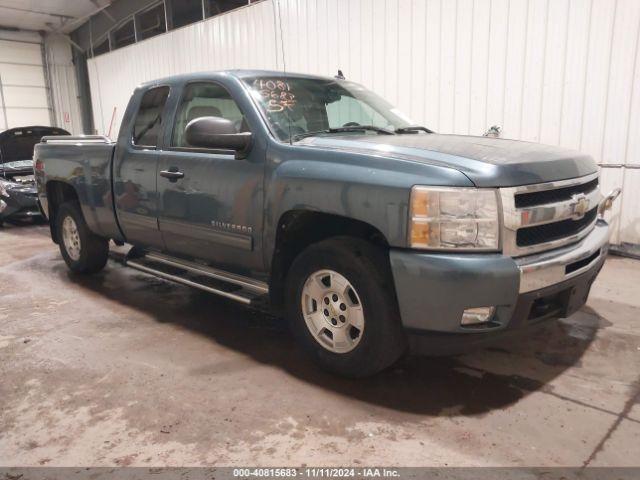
(6, 185)
(454, 218)
(3, 189)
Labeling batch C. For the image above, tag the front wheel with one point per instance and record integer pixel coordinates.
(341, 306)
(82, 250)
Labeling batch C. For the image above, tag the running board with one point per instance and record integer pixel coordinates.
(229, 285)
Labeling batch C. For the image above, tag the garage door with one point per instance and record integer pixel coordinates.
(23, 87)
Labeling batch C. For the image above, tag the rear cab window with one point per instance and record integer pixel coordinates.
(147, 126)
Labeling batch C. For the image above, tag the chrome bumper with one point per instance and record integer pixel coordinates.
(549, 268)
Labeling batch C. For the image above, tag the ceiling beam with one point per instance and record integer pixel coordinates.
(38, 12)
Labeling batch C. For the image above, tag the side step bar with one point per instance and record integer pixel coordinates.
(229, 285)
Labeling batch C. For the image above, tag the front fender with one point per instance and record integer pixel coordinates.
(369, 189)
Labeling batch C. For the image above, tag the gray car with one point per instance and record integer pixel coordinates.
(18, 195)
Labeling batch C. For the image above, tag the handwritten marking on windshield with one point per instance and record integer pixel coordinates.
(276, 93)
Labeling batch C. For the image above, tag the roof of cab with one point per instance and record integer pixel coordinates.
(213, 74)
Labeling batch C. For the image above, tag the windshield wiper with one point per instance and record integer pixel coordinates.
(350, 128)
(413, 129)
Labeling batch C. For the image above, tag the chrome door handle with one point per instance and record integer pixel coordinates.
(172, 174)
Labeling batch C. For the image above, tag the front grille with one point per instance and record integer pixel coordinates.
(532, 199)
(549, 232)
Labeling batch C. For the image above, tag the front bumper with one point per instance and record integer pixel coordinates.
(433, 289)
(19, 204)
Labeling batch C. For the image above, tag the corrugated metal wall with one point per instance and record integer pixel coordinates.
(62, 79)
(564, 72)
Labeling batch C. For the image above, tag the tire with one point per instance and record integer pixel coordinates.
(370, 338)
(84, 252)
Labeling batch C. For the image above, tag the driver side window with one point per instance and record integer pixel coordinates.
(205, 100)
(349, 110)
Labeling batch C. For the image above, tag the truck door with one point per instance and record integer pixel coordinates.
(134, 171)
(210, 203)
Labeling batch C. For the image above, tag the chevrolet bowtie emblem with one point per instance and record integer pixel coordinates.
(580, 206)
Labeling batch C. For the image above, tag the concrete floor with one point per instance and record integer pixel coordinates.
(124, 369)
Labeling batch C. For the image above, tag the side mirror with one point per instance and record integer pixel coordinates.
(217, 132)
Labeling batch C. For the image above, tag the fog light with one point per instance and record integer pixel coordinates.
(474, 316)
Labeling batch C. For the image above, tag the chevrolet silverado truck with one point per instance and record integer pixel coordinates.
(315, 198)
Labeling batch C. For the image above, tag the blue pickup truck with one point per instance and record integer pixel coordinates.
(317, 199)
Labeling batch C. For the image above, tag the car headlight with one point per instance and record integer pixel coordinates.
(448, 218)
(6, 186)
(3, 188)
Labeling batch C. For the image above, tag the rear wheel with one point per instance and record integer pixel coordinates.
(82, 250)
(341, 306)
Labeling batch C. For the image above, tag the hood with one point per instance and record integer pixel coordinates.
(487, 162)
(18, 143)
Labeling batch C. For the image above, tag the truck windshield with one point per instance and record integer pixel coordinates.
(301, 107)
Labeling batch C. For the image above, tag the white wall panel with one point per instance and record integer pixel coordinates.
(516, 40)
(534, 69)
(62, 80)
(12, 51)
(497, 64)
(574, 80)
(462, 54)
(629, 217)
(479, 66)
(632, 155)
(24, 97)
(25, 75)
(563, 72)
(22, 117)
(554, 72)
(624, 44)
(23, 83)
(597, 76)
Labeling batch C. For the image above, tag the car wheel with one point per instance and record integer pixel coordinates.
(82, 250)
(341, 306)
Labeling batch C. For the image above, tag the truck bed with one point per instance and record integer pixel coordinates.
(84, 163)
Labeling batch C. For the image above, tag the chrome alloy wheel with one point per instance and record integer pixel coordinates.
(332, 311)
(71, 238)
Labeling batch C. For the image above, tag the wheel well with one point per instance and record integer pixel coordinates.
(298, 229)
(57, 194)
